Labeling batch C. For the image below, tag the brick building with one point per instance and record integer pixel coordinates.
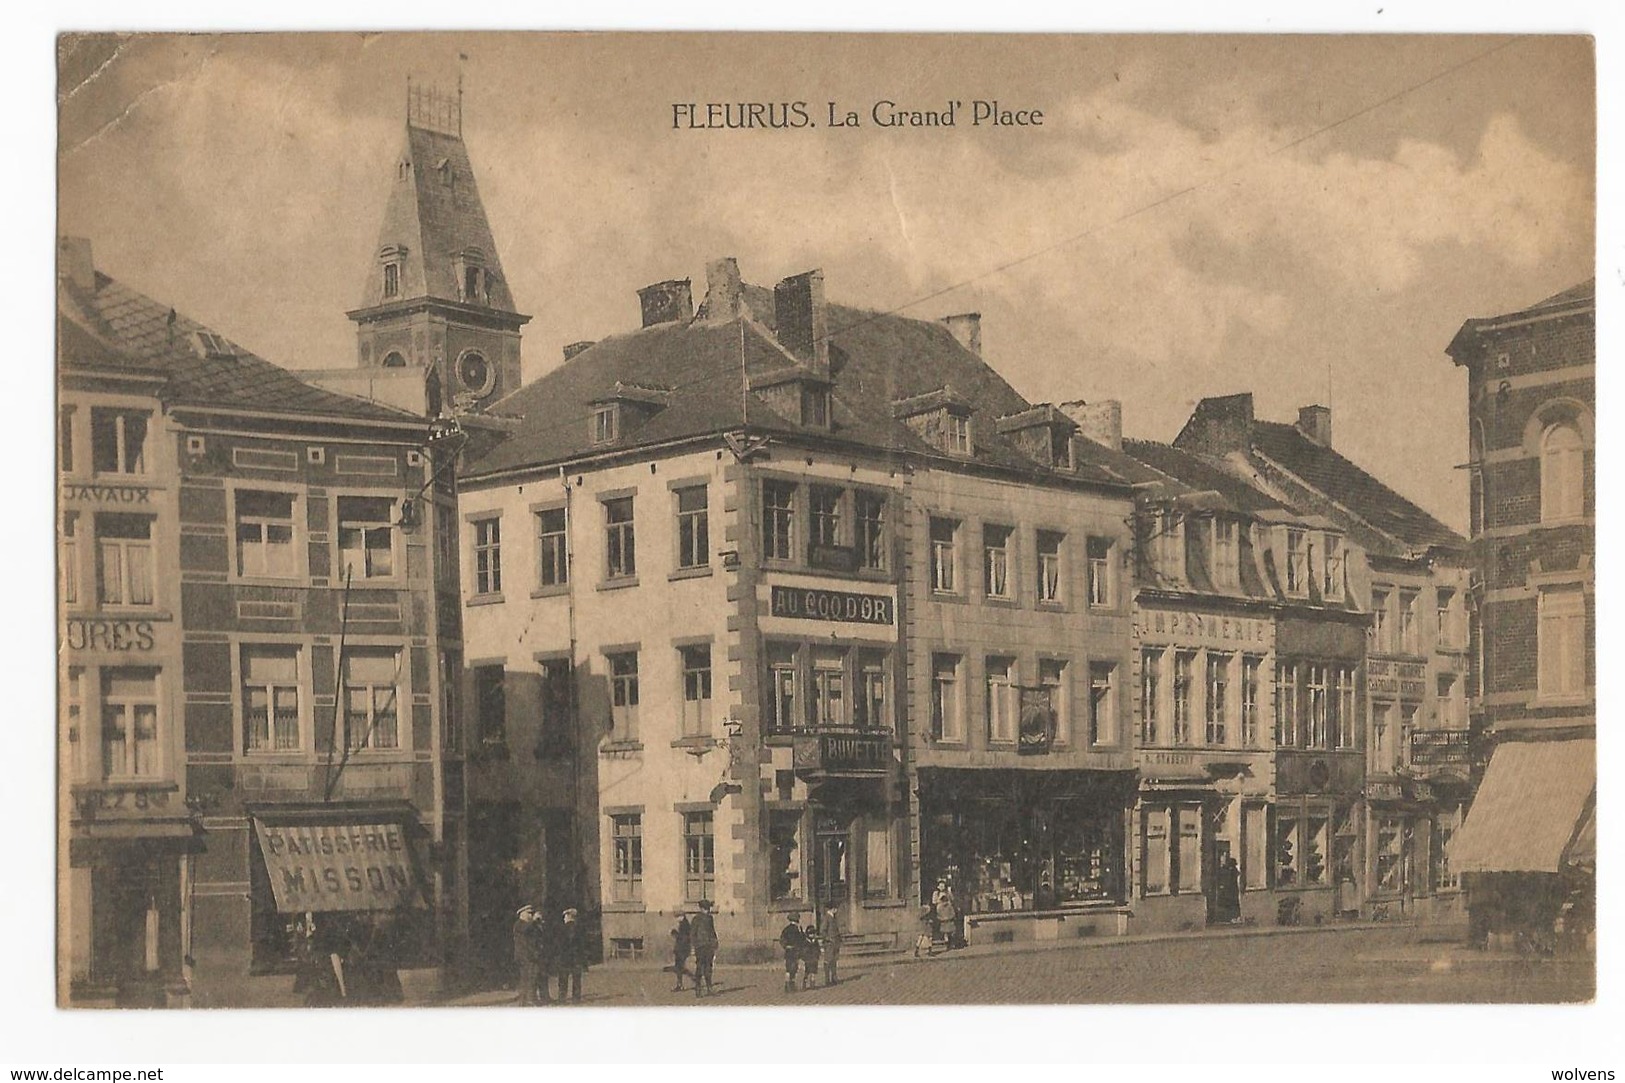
(257, 634)
(801, 605)
(1527, 849)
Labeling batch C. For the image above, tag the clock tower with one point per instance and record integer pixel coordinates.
(437, 312)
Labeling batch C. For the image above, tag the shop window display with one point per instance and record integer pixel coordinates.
(1314, 850)
(784, 837)
(1390, 854)
(1286, 851)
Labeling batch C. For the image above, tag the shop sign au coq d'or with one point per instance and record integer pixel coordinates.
(814, 603)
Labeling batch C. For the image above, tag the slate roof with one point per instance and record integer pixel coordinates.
(875, 358)
(1341, 480)
(1195, 473)
(434, 221)
(116, 327)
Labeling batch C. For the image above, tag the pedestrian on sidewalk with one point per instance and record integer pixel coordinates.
(570, 958)
(703, 934)
(794, 943)
(527, 953)
(682, 944)
(545, 930)
(832, 943)
(946, 908)
(1228, 893)
(812, 953)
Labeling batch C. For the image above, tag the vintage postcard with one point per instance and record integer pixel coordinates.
(811, 519)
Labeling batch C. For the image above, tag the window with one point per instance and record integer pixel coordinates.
(118, 441)
(488, 556)
(1226, 554)
(552, 548)
(699, 856)
(947, 713)
(472, 281)
(491, 706)
(392, 280)
(64, 438)
(1345, 723)
(1390, 854)
(778, 520)
(1445, 606)
(784, 839)
(1052, 679)
(1450, 703)
(1286, 850)
(1155, 865)
(1444, 829)
(877, 860)
(623, 696)
(1184, 678)
(371, 696)
(1255, 841)
(367, 536)
(1314, 850)
(130, 723)
(604, 423)
(558, 710)
(1381, 628)
(943, 533)
(265, 535)
(785, 686)
(620, 543)
(825, 504)
(1561, 642)
(125, 542)
(271, 699)
(70, 559)
(1250, 694)
(815, 407)
(1286, 705)
(1102, 703)
(1151, 723)
(1331, 571)
(829, 688)
(871, 523)
(957, 434)
(1218, 699)
(996, 560)
(1315, 688)
(1189, 858)
(1409, 639)
(1297, 562)
(1170, 547)
(1049, 566)
(626, 874)
(1562, 473)
(1001, 700)
(693, 527)
(873, 702)
(696, 689)
(1382, 738)
(1100, 572)
(1345, 834)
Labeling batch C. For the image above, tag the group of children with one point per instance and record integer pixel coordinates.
(805, 946)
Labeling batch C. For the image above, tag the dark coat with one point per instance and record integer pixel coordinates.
(527, 942)
(791, 938)
(683, 938)
(569, 947)
(703, 931)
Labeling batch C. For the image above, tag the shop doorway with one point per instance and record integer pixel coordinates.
(832, 868)
(126, 952)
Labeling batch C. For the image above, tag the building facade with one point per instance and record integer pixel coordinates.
(256, 637)
(1527, 849)
(776, 550)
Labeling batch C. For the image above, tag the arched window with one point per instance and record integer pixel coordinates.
(394, 360)
(1562, 472)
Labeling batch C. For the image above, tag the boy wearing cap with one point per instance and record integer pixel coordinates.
(703, 933)
(570, 956)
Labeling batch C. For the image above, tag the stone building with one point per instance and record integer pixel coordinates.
(1527, 849)
(257, 631)
(795, 605)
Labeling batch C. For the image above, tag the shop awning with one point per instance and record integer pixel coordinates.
(1528, 807)
(339, 865)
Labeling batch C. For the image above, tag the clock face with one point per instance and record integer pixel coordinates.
(474, 373)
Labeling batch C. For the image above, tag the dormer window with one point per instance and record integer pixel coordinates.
(472, 280)
(815, 407)
(443, 167)
(956, 432)
(473, 285)
(1297, 562)
(1226, 554)
(1331, 586)
(941, 418)
(210, 345)
(392, 280)
(605, 423)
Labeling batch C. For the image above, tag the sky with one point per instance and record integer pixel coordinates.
(1307, 218)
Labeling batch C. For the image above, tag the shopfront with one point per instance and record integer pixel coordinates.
(1027, 854)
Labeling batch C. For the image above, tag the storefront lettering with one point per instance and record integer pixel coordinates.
(831, 605)
(108, 494)
(85, 634)
(351, 866)
(1169, 757)
(1407, 679)
(352, 840)
(336, 880)
(1205, 627)
(116, 800)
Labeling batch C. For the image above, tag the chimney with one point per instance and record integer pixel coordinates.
(576, 347)
(723, 291)
(1101, 421)
(802, 319)
(74, 262)
(1315, 422)
(967, 329)
(1218, 425)
(666, 302)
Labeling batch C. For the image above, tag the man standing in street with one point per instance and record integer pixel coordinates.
(703, 933)
(570, 956)
(682, 945)
(794, 943)
(527, 953)
(832, 943)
